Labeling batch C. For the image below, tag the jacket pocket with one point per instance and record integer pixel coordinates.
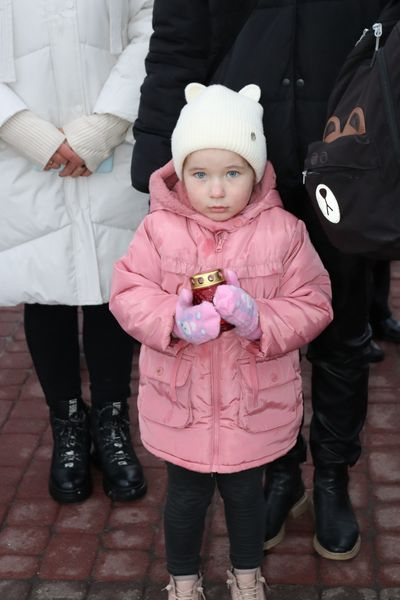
(271, 394)
(164, 388)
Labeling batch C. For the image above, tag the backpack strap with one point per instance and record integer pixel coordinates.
(390, 13)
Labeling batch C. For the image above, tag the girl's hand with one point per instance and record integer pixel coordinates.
(237, 307)
(195, 324)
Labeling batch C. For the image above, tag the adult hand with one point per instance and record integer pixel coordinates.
(74, 166)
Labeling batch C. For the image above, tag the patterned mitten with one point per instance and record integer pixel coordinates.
(237, 307)
(195, 324)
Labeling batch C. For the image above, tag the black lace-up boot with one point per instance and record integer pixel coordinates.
(122, 472)
(70, 479)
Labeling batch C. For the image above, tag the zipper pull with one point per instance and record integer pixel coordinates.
(377, 27)
(364, 33)
(220, 238)
(304, 177)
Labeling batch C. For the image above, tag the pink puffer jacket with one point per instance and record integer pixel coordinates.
(229, 404)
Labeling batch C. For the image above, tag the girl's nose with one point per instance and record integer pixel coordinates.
(217, 189)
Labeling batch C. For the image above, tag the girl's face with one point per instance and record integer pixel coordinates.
(218, 183)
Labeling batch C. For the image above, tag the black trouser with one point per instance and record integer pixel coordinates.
(380, 310)
(188, 497)
(339, 366)
(52, 336)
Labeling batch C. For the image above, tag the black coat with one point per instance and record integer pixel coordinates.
(293, 49)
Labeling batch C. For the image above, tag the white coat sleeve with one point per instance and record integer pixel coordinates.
(31, 136)
(10, 103)
(121, 92)
(93, 137)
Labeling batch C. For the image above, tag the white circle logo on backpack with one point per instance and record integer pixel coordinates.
(327, 203)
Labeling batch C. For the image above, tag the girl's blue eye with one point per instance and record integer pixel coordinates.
(233, 173)
(199, 174)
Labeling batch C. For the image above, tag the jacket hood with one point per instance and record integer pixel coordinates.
(168, 193)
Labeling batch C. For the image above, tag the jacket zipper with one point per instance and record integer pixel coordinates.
(215, 406)
(220, 238)
(334, 169)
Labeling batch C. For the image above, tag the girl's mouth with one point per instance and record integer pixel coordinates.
(218, 208)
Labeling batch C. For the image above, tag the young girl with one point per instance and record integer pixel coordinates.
(218, 405)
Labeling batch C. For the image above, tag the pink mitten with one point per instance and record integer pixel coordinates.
(237, 307)
(195, 324)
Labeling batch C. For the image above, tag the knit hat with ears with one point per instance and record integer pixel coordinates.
(217, 117)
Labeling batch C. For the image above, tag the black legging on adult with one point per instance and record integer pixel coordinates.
(53, 340)
(188, 497)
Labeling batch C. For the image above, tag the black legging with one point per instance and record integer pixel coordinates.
(188, 497)
(53, 340)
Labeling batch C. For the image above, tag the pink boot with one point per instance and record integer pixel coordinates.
(246, 586)
(185, 589)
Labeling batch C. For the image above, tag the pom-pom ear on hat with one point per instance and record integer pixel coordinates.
(217, 117)
(251, 91)
(192, 90)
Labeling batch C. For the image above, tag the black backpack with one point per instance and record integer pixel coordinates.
(353, 175)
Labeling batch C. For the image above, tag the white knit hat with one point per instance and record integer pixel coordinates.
(217, 117)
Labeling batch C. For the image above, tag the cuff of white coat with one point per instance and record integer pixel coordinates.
(93, 137)
(32, 136)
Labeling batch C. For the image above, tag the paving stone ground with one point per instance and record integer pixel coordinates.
(100, 550)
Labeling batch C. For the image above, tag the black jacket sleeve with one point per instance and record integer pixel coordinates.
(179, 53)
(190, 39)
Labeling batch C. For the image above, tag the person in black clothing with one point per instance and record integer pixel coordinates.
(384, 325)
(293, 50)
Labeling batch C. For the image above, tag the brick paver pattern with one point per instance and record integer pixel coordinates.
(100, 550)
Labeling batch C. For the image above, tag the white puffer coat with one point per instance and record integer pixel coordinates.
(59, 237)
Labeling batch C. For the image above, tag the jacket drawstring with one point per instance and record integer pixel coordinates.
(254, 380)
(7, 64)
(174, 374)
(117, 28)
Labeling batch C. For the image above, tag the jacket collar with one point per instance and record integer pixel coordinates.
(167, 193)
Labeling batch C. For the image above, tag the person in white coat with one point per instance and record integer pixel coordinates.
(70, 76)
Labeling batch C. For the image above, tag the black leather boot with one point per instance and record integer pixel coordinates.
(285, 496)
(374, 353)
(122, 472)
(336, 530)
(387, 329)
(70, 478)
